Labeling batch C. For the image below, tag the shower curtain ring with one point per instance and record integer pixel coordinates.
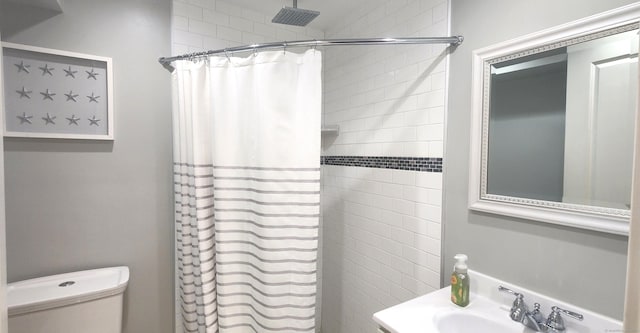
(227, 54)
(284, 47)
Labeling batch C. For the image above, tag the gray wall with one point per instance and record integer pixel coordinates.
(527, 115)
(581, 267)
(75, 205)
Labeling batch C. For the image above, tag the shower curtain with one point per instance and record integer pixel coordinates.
(247, 186)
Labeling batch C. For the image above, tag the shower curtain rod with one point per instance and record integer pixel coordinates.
(454, 40)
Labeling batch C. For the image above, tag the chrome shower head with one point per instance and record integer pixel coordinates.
(295, 16)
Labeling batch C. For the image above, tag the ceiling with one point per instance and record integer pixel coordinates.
(53, 5)
(330, 10)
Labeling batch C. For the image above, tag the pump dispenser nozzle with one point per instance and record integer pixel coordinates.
(461, 263)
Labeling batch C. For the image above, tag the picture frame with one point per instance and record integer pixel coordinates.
(56, 94)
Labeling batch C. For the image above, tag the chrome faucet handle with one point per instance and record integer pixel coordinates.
(555, 321)
(572, 314)
(507, 290)
(519, 308)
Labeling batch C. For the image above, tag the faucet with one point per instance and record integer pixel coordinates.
(534, 319)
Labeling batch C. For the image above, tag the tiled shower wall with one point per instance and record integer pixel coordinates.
(199, 25)
(381, 227)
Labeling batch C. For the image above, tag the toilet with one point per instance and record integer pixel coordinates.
(79, 302)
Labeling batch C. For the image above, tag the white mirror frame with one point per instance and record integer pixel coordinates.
(615, 221)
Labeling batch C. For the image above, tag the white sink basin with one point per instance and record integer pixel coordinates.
(434, 313)
(488, 312)
(457, 322)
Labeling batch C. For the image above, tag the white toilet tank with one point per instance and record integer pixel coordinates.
(79, 302)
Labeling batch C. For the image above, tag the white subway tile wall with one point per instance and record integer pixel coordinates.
(381, 234)
(388, 100)
(200, 25)
(381, 242)
(381, 227)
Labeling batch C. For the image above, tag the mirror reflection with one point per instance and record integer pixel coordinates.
(561, 123)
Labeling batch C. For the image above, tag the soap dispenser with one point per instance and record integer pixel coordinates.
(460, 281)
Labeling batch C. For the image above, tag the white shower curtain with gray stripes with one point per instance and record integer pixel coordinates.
(247, 189)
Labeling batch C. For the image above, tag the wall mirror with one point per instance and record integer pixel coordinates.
(554, 122)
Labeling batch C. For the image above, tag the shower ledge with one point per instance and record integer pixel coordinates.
(331, 130)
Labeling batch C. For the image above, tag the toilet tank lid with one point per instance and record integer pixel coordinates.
(65, 289)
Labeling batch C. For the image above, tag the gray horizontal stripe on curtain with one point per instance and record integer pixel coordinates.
(264, 327)
(195, 292)
(188, 204)
(198, 230)
(243, 167)
(194, 321)
(196, 274)
(198, 318)
(264, 315)
(182, 205)
(194, 186)
(263, 191)
(186, 303)
(182, 174)
(277, 261)
(201, 259)
(251, 211)
(286, 283)
(264, 293)
(266, 203)
(264, 237)
(193, 196)
(194, 165)
(189, 312)
(219, 263)
(295, 306)
(204, 218)
(261, 168)
(269, 180)
(195, 247)
(275, 226)
(194, 286)
(271, 328)
(282, 249)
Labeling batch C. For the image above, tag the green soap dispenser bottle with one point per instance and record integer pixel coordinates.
(460, 281)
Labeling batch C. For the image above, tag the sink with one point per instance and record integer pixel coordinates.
(461, 322)
(434, 313)
(488, 312)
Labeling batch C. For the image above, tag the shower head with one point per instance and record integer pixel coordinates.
(295, 16)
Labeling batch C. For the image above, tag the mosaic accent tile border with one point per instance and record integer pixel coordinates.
(423, 164)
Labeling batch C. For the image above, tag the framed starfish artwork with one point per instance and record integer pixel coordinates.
(56, 94)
